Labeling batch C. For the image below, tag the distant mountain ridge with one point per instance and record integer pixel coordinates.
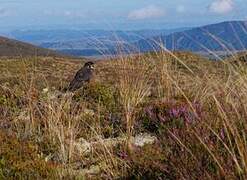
(225, 36)
(39, 37)
(221, 37)
(86, 42)
(13, 48)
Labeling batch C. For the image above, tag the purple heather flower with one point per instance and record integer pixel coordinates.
(183, 109)
(222, 134)
(123, 155)
(174, 113)
(162, 118)
(188, 117)
(149, 112)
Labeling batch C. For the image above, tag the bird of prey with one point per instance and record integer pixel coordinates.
(84, 75)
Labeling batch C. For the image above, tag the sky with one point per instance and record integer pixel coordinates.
(118, 14)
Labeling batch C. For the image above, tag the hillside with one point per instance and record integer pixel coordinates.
(218, 38)
(13, 48)
(151, 116)
(225, 36)
(86, 42)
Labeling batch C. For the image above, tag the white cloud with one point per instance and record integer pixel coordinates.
(74, 14)
(66, 13)
(221, 6)
(180, 9)
(146, 13)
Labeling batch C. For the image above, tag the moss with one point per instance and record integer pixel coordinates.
(21, 160)
(98, 93)
(148, 163)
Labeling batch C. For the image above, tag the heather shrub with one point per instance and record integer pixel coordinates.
(195, 108)
(172, 115)
(21, 160)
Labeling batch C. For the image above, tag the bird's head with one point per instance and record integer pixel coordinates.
(89, 65)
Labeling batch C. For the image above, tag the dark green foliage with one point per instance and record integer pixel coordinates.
(103, 99)
(98, 93)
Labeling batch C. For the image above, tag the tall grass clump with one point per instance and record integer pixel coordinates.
(134, 86)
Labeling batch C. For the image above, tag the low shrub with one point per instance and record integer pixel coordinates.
(98, 93)
(171, 115)
(21, 160)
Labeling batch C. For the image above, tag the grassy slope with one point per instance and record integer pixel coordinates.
(196, 108)
(14, 48)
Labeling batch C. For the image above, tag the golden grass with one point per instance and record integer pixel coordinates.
(214, 144)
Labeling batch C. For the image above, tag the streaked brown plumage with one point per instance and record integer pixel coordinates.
(84, 75)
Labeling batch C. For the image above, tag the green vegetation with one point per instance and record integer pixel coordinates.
(20, 160)
(195, 107)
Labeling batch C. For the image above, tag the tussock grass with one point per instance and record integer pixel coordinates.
(196, 108)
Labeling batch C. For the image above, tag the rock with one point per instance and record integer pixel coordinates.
(93, 170)
(89, 112)
(143, 139)
(24, 115)
(55, 95)
(48, 158)
(83, 173)
(82, 146)
(45, 90)
(111, 141)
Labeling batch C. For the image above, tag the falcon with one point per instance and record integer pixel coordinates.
(83, 76)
